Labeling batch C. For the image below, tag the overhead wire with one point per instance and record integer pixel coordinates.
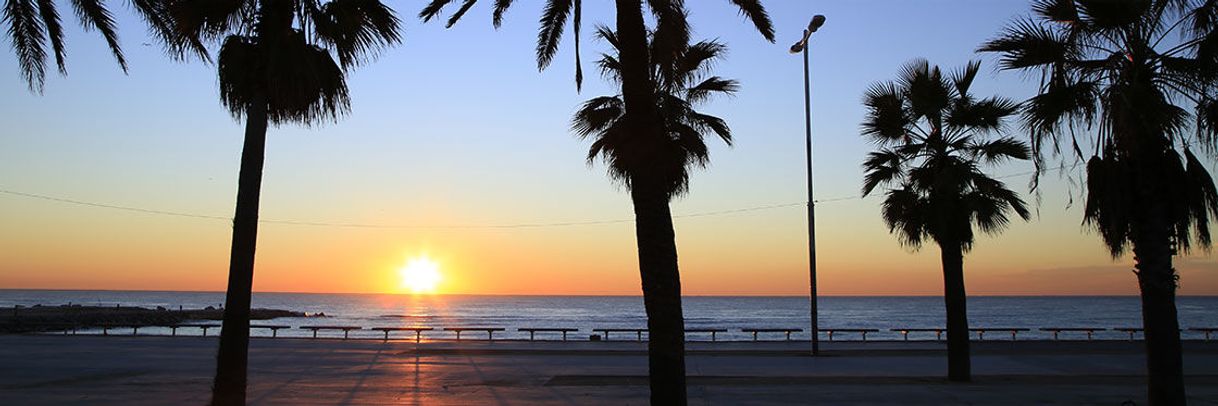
(450, 226)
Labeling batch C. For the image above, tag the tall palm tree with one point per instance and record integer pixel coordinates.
(641, 117)
(277, 64)
(33, 23)
(932, 138)
(1130, 86)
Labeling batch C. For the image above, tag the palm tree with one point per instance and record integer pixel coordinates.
(932, 138)
(33, 23)
(1130, 86)
(276, 65)
(641, 118)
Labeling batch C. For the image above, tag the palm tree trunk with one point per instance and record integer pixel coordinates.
(229, 386)
(661, 295)
(653, 221)
(954, 298)
(1157, 280)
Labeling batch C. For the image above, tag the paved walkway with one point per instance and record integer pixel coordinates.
(56, 370)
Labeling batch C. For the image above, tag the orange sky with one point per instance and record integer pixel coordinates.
(761, 253)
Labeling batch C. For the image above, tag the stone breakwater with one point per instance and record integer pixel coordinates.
(42, 318)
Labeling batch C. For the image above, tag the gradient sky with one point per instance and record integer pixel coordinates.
(455, 133)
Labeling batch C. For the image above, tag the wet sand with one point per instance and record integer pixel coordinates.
(147, 370)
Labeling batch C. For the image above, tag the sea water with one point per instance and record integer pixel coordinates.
(589, 312)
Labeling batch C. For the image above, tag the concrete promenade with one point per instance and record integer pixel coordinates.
(145, 370)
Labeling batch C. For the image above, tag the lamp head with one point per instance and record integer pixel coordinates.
(817, 21)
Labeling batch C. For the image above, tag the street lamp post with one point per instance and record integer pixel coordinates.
(802, 46)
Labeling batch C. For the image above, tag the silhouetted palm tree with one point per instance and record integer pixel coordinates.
(932, 138)
(276, 65)
(33, 23)
(642, 119)
(1122, 75)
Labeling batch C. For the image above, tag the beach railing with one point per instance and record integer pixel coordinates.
(863, 331)
(533, 330)
(1206, 330)
(490, 331)
(418, 331)
(771, 330)
(638, 331)
(712, 331)
(346, 329)
(1089, 330)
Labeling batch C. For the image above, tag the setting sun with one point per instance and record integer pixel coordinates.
(420, 275)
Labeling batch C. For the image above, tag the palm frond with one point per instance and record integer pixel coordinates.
(356, 29)
(1203, 202)
(962, 79)
(905, 213)
(886, 120)
(710, 87)
(26, 32)
(596, 115)
(984, 115)
(452, 20)
(881, 167)
(93, 14)
(54, 31)
(553, 21)
(433, 9)
(752, 10)
(501, 7)
(1000, 150)
(1056, 10)
(1028, 44)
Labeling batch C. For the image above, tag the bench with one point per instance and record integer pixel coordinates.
(346, 329)
(981, 331)
(905, 332)
(706, 330)
(771, 330)
(174, 328)
(864, 331)
(490, 331)
(1090, 330)
(274, 329)
(564, 331)
(1206, 330)
(418, 331)
(638, 331)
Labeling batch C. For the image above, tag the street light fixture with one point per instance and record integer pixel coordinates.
(802, 46)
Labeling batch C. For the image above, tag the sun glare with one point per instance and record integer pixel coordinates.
(420, 275)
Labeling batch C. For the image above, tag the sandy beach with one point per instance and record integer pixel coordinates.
(149, 370)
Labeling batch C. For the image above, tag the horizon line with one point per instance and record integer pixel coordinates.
(573, 295)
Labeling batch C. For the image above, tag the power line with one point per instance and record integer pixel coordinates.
(454, 226)
(381, 226)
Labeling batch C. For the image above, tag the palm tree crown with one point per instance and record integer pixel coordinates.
(33, 23)
(680, 87)
(931, 131)
(1141, 74)
(282, 52)
(670, 19)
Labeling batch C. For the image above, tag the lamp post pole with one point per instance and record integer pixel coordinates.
(802, 47)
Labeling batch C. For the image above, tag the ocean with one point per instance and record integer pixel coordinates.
(589, 312)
